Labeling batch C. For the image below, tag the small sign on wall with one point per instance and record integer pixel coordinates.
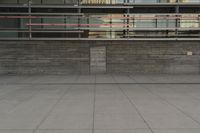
(189, 53)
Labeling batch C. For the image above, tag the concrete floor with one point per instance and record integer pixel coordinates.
(100, 104)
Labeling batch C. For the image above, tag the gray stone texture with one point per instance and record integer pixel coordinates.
(73, 57)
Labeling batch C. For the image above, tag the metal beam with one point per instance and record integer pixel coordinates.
(100, 39)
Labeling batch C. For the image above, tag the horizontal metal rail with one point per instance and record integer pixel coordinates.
(96, 5)
(122, 6)
(164, 4)
(99, 39)
(100, 29)
(145, 17)
(180, 35)
(82, 14)
(125, 28)
(42, 13)
(72, 25)
(40, 31)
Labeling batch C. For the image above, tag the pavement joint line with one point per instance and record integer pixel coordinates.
(185, 113)
(134, 106)
(53, 107)
(18, 104)
(94, 105)
(173, 105)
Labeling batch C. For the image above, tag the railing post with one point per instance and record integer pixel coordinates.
(30, 20)
(177, 19)
(128, 22)
(79, 19)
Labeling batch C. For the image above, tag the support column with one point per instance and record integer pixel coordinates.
(30, 20)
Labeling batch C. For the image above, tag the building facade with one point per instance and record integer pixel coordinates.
(86, 36)
(103, 19)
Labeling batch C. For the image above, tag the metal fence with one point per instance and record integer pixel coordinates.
(30, 21)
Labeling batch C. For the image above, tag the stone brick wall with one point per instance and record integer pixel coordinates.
(154, 57)
(43, 57)
(73, 57)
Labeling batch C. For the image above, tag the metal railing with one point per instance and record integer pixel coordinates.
(64, 25)
(79, 2)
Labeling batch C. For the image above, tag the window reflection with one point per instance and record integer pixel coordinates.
(98, 1)
(33, 1)
(189, 1)
(136, 1)
(189, 21)
(108, 25)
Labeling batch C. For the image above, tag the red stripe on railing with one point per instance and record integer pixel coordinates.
(47, 24)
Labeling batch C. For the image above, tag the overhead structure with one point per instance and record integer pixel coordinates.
(99, 19)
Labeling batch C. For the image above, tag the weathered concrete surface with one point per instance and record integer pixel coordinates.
(49, 57)
(50, 104)
(73, 57)
(153, 57)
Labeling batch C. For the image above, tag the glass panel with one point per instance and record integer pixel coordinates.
(33, 1)
(8, 1)
(99, 21)
(145, 21)
(145, 1)
(72, 21)
(189, 1)
(71, 1)
(135, 1)
(152, 1)
(117, 34)
(99, 34)
(117, 1)
(171, 23)
(8, 34)
(155, 1)
(53, 1)
(9, 23)
(54, 21)
(162, 23)
(99, 24)
(189, 21)
(96, 1)
(166, 21)
(167, 1)
(23, 23)
(105, 25)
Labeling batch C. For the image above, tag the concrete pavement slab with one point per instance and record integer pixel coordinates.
(14, 131)
(104, 79)
(86, 79)
(68, 121)
(108, 121)
(123, 131)
(123, 79)
(64, 131)
(176, 131)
